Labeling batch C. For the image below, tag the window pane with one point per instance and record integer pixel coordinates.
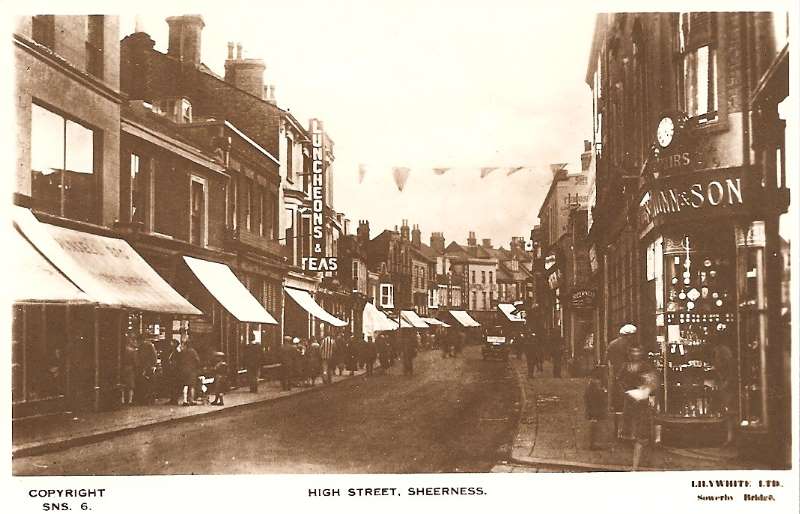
(47, 159)
(79, 180)
(137, 190)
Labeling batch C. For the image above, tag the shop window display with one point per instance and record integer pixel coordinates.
(699, 330)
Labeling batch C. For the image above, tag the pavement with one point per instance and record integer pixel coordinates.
(53, 433)
(553, 435)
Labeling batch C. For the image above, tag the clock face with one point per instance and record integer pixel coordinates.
(665, 132)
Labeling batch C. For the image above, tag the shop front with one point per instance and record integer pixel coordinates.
(703, 298)
(303, 314)
(67, 343)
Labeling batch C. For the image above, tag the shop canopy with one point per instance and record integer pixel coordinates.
(108, 270)
(229, 291)
(413, 319)
(435, 322)
(465, 319)
(34, 279)
(304, 300)
(373, 320)
(511, 313)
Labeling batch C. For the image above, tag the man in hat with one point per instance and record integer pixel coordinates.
(616, 357)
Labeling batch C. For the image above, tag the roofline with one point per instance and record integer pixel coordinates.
(600, 28)
(246, 138)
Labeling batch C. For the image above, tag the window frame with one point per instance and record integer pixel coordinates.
(686, 46)
(204, 182)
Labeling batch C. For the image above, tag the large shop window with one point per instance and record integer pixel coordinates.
(696, 329)
(62, 166)
(698, 64)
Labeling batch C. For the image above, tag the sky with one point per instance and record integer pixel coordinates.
(421, 85)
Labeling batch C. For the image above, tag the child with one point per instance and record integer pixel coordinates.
(220, 378)
(595, 400)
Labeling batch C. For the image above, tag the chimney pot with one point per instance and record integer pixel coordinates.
(239, 51)
(230, 49)
(185, 34)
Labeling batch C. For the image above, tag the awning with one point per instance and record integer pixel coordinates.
(305, 301)
(40, 281)
(510, 312)
(436, 322)
(373, 320)
(465, 319)
(229, 291)
(412, 319)
(107, 269)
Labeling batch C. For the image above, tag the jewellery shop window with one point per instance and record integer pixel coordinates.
(700, 325)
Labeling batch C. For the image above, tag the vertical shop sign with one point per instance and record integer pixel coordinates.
(318, 261)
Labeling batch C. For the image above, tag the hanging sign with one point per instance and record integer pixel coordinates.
(582, 298)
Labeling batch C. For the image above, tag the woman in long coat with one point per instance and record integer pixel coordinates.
(188, 363)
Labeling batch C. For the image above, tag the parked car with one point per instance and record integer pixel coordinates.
(496, 344)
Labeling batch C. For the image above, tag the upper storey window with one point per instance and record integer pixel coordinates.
(698, 65)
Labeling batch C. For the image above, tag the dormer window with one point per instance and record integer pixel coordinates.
(178, 110)
(186, 111)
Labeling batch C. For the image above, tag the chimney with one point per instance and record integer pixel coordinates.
(362, 232)
(586, 156)
(517, 243)
(487, 243)
(404, 229)
(416, 237)
(471, 241)
(437, 242)
(230, 50)
(245, 74)
(185, 37)
(270, 97)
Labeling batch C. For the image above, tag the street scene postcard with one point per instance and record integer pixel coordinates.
(377, 256)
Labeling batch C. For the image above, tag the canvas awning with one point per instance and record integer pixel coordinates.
(304, 300)
(465, 319)
(510, 312)
(229, 291)
(434, 321)
(373, 320)
(35, 279)
(413, 319)
(108, 270)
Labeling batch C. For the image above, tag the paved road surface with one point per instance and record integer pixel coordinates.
(452, 415)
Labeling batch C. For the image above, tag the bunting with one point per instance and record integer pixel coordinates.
(400, 176)
(486, 171)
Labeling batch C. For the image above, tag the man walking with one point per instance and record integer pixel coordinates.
(616, 357)
(528, 340)
(328, 351)
(252, 362)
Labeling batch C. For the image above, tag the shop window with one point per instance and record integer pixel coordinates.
(198, 219)
(698, 65)
(44, 30)
(698, 352)
(94, 45)
(62, 166)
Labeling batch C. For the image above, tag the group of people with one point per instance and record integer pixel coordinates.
(632, 380)
(537, 350)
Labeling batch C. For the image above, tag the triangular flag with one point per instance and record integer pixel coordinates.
(400, 176)
(513, 170)
(362, 171)
(558, 166)
(440, 171)
(486, 171)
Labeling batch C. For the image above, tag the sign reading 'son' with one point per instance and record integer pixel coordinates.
(318, 261)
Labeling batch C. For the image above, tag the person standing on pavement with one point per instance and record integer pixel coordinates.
(286, 360)
(171, 380)
(351, 355)
(528, 342)
(188, 369)
(128, 371)
(639, 381)
(594, 399)
(147, 358)
(369, 352)
(328, 353)
(314, 361)
(382, 347)
(220, 374)
(252, 362)
(616, 357)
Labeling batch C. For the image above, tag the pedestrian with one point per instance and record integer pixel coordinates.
(287, 361)
(297, 366)
(528, 342)
(556, 353)
(128, 371)
(188, 370)
(351, 354)
(252, 363)
(725, 376)
(220, 374)
(382, 348)
(594, 399)
(171, 380)
(616, 357)
(518, 344)
(639, 379)
(314, 361)
(146, 359)
(459, 343)
(340, 353)
(369, 351)
(328, 354)
(409, 353)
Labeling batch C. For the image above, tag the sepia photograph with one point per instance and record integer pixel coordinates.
(494, 242)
